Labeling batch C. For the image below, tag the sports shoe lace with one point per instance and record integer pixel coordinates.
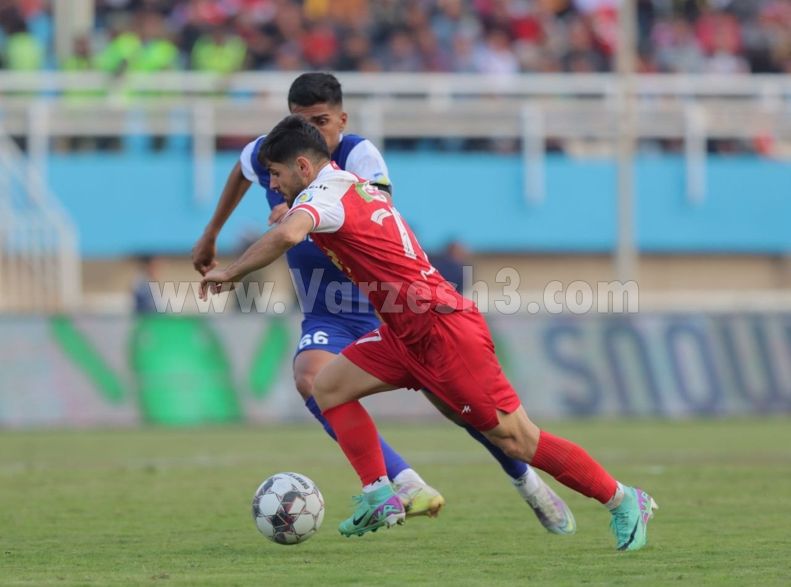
(620, 521)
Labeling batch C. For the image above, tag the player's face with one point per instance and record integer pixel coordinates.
(290, 179)
(329, 119)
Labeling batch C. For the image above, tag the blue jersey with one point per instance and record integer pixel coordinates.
(322, 289)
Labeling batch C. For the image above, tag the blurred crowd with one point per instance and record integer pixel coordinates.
(485, 36)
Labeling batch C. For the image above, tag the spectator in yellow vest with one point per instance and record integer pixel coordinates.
(156, 52)
(23, 51)
(219, 51)
(119, 52)
(81, 58)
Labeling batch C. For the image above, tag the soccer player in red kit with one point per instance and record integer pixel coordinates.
(432, 337)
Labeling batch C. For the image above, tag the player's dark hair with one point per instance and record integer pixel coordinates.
(293, 136)
(315, 88)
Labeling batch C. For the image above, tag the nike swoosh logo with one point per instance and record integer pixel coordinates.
(631, 537)
(386, 511)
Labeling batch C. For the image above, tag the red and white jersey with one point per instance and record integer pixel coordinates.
(358, 228)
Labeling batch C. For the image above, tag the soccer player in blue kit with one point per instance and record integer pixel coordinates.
(325, 332)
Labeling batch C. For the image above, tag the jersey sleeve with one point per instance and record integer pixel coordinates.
(257, 173)
(366, 161)
(325, 209)
(246, 160)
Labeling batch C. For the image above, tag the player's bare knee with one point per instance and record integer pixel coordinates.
(304, 383)
(326, 390)
(320, 389)
(307, 366)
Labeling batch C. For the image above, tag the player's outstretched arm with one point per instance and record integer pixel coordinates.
(261, 253)
(204, 251)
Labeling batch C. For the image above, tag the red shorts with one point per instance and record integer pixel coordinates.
(456, 362)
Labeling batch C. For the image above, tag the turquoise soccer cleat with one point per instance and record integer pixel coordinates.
(374, 510)
(630, 519)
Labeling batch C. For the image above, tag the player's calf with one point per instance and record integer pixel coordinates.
(515, 435)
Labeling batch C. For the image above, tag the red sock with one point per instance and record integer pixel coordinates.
(359, 440)
(572, 466)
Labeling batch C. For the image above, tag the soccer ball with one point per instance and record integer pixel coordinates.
(288, 508)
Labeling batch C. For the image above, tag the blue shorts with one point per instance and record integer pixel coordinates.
(332, 334)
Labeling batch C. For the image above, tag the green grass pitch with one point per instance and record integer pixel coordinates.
(172, 507)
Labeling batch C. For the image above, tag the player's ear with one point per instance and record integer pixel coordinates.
(303, 165)
(344, 117)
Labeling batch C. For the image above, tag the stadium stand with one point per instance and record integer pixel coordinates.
(474, 36)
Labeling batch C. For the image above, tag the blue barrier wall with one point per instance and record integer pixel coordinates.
(130, 203)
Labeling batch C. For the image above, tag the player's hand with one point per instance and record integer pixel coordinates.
(215, 281)
(277, 213)
(204, 253)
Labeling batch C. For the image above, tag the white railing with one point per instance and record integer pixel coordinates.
(531, 108)
(39, 254)
(438, 86)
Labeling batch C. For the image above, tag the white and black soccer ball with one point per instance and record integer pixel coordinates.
(288, 508)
